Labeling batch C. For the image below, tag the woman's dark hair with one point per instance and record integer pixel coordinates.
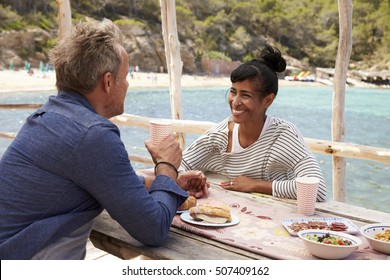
(262, 70)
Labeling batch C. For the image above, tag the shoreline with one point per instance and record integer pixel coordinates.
(13, 81)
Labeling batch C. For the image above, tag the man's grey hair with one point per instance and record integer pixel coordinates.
(88, 51)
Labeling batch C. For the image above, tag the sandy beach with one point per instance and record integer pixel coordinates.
(11, 81)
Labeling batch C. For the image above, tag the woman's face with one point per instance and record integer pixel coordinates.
(246, 104)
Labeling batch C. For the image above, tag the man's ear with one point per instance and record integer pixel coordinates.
(107, 82)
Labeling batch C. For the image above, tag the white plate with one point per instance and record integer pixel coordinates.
(181, 211)
(352, 228)
(187, 218)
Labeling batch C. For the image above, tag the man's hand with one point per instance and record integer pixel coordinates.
(168, 150)
(194, 183)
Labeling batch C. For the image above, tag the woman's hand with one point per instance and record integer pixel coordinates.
(246, 184)
(241, 183)
(194, 183)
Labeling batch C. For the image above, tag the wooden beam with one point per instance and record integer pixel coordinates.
(9, 135)
(319, 146)
(174, 63)
(340, 79)
(348, 150)
(64, 17)
(179, 126)
(20, 106)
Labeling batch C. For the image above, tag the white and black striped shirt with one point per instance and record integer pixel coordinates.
(279, 155)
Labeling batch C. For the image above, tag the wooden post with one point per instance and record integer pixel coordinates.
(174, 63)
(64, 17)
(340, 78)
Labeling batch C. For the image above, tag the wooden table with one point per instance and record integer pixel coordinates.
(108, 235)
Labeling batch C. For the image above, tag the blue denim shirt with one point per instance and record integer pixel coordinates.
(65, 166)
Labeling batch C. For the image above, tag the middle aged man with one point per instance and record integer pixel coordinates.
(68, 162)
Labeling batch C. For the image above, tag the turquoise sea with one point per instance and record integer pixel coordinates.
(367, 120)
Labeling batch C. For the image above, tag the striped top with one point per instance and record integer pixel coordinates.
(279, 155)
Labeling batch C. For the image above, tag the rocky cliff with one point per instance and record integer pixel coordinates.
(146, 50)
(16, 47)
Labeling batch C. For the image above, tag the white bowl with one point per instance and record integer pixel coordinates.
(369, 232)
(329, 251)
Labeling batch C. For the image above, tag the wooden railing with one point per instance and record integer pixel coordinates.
(347, 150)
(339, 149)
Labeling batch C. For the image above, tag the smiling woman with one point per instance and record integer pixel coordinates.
(259, 153)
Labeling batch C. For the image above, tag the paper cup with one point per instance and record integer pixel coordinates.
(159, 130)
(307, 188)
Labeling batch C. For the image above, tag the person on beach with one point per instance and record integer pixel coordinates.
(258, 152)
(68, 162)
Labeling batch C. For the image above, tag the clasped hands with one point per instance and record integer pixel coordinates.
(194, 183)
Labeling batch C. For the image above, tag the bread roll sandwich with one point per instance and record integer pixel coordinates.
(215, 214)
(190, 202)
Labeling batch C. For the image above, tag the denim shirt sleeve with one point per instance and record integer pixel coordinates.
(102, 168)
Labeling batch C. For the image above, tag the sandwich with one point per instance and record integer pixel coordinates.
(215, 214)
(190, 202)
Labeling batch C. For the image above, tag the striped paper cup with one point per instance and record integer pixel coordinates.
(307, 188)
(159, 130)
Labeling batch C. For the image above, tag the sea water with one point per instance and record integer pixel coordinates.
(367, 122)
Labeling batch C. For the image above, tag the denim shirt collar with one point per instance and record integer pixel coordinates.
(77, 97)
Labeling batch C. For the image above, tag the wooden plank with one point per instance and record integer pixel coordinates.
(94, 253)
(108, 235)
(356, 213)
(342, 209)
(109, 245)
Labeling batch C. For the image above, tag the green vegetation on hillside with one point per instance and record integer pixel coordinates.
(306, 29)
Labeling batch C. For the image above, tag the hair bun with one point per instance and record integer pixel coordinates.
(272, 57)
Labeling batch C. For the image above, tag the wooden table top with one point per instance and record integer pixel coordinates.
(183, 244)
